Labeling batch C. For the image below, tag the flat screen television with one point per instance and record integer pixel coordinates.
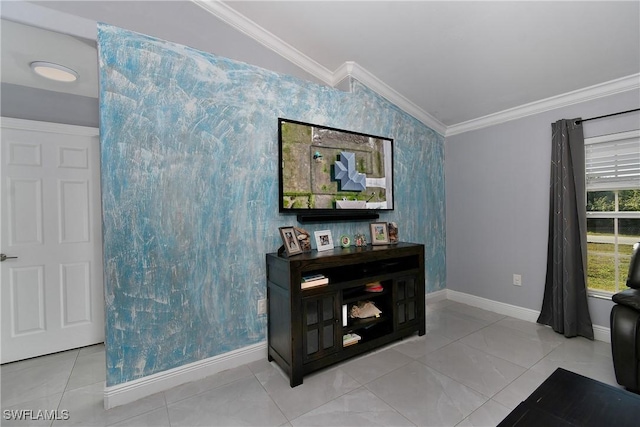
(333, 172)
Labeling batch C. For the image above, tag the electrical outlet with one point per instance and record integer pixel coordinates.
(517, 280)
(262, 306)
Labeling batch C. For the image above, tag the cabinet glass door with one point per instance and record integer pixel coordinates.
(406, 302)
(320, 321)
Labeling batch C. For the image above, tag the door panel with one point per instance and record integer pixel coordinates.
(27, 300)
(52, 293)
(25, 211)
(75, 280)
(74, 211)
(24, 154)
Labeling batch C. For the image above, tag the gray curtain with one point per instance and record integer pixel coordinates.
(564, 306)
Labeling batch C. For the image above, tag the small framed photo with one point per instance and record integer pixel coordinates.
(324, 241)
(290, 240)
(379, 233)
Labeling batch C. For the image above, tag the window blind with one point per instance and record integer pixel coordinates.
(613, 162)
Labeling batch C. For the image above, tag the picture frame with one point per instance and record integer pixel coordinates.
(290, 240)
(379, 233)
(324, 241)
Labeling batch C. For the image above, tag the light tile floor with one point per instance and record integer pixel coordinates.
(470, 369)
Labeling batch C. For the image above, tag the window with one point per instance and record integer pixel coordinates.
(613, 208)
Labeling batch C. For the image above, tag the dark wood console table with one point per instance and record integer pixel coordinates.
(306, 326)
(569, 399)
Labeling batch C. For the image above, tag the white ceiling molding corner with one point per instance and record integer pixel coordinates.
(246, 26)
(349, 68)
(601, 90)
(381, 88)
(342, 72)
(342, 77)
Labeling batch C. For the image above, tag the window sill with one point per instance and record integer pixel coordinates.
(599, 294)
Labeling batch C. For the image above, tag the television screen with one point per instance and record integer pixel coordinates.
(324, 170)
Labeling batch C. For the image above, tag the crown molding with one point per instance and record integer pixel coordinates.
(352, 69)
(601, 90)
(270, 41)
(348, 69)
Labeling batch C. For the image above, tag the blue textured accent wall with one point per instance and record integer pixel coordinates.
(190, 188)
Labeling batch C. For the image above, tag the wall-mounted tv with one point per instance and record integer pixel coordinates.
(333, 172)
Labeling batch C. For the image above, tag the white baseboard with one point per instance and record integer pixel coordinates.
(495, 306)
(137, 389)
(436, 296)
(600, 333)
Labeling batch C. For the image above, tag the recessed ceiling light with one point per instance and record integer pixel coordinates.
(52, 71)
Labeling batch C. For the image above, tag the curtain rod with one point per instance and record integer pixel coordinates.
(607, 115)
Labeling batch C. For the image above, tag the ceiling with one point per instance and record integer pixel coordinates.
(447, 63)
(22, 44)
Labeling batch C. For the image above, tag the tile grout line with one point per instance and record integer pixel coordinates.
(269, 394)
(64, 390)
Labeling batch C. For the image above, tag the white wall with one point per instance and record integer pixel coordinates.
(28, 103)
(497, 191)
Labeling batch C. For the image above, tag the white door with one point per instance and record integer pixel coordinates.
(52, 295)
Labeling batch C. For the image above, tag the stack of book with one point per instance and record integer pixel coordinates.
(313, 280)
(350, 339)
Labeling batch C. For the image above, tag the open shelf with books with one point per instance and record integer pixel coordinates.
(313, 280)
(324, 307)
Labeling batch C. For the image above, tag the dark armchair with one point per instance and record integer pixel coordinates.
(625, 328)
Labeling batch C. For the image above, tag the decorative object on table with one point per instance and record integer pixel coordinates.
(379, 233)
(373, 287)
(304, 238)
(360, 240)
(364, 310)
(324, 241)
(345, 241)
(393, 232)
(291, 245)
